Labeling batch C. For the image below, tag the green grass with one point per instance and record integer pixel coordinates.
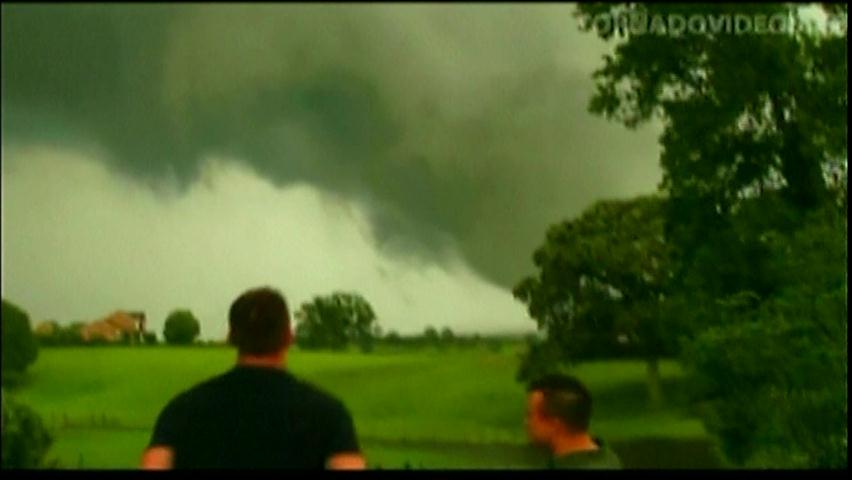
(439, 409)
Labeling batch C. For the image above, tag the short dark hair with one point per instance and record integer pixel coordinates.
(566, 399)
(258, 319)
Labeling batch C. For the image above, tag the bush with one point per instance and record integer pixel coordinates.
(770, 369)
(181, 328)
(25, 440)
(772, 388)
(69, 335)
(541, 357)
(18, 343)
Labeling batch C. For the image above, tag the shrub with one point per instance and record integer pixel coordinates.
(25, 440)
(18, 343)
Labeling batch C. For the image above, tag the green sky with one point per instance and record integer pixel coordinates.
(171, 156)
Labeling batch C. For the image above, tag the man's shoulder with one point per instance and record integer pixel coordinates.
(609, 458)
(228, 385)
(318, 396)
(602, 458)
(201, 390)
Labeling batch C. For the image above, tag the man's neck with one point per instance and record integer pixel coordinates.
(567, 444)
(266, 361)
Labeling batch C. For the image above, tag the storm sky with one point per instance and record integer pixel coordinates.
(157, 157)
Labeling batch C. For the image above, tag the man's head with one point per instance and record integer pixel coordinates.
(259, 323)
(557, 405)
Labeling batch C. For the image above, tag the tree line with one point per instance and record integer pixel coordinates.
(336, 321)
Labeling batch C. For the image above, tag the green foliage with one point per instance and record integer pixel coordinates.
(431, 336)
(25, 440)
(336, 321)
(772, 391)
(754, 169)
(48, 338)
(771, 373)
(149, 338)
(737, 109)
(19, 345)
(447, 336)
(393, 337)
(126, 339)
(71, 335)
(601, 281)
(541, 357)
(181, 328)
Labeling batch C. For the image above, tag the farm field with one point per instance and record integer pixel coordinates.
(456, 408)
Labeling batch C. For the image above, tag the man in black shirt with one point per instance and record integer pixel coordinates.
(257, 415)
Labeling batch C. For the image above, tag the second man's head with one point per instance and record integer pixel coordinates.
(557, 406)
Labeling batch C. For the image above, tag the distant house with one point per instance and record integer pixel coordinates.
(118, 326)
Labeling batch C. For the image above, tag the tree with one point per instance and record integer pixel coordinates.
(601, 283)
(46, 333)
(53, 333)
(732, 129)
(392, 337)
(181, 328)
(72, 335)
(730, 125)
(335, 321)
(320, 325)
(541, 357)
(431, 336)
(447, 336)
(754, 164)
(19, 345)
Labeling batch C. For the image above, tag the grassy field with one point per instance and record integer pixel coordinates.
(419, 409)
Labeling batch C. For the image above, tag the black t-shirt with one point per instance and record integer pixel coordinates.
(254, 417)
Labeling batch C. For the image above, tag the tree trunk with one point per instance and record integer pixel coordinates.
(655, 391)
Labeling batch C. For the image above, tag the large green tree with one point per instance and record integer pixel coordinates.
(19, 344)
(601, 281)
(739, 110)
(181, 328)
(335, 321)
(754, 167)
(741, 113)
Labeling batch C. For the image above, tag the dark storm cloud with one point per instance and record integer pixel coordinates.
(458, 127)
